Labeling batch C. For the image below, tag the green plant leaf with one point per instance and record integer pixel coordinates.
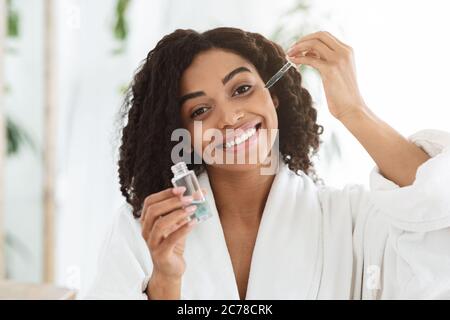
(16, 137)
(120, 28)
(12, 20)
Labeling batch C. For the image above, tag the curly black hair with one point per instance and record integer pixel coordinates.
(151, 109)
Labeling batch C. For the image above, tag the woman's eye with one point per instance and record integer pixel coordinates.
(242, 89)
(198, 112)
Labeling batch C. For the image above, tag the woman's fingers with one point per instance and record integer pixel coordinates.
(332, 52)
(160, 196)
(178, 235)
(164, 213)
(325, 37)
(314, 45)
(316, 63)
(168, 205)
(342, 45)
(163, 227)
(336, 68)
(157, 210)
(165, 194)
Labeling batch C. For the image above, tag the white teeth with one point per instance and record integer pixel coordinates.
(247, 134)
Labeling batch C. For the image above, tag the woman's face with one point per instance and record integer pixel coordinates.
(223, 91)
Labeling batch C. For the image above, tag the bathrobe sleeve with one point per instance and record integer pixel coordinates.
(124, 263)
(404, 233)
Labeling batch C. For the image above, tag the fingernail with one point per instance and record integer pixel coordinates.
(187, 199)
(191, 209)
(179, 190)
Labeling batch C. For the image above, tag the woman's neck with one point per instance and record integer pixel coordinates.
(241, 195)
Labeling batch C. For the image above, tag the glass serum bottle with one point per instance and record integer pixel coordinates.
(182, 177)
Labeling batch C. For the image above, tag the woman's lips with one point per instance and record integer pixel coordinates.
(238, 132)
(248, 137)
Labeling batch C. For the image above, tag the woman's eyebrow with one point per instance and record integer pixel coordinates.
(191, 96)
(227, 78)
(233, 73)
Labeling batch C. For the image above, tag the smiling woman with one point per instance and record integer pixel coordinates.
(277, 235)
(241, 62)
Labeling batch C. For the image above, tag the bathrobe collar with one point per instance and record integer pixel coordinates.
(287, 257)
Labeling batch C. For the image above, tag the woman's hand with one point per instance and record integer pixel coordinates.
(396, 157)
(334, 61)
(165, 225)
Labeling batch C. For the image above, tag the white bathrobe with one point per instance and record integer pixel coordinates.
(313, 242)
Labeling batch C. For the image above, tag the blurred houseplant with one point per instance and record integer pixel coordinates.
(120, 25)
(16, 136)
(120, 33)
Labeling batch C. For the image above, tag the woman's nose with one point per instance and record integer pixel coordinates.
(230, 118)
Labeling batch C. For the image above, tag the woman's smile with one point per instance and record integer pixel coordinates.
(241, 138)
(243, 141)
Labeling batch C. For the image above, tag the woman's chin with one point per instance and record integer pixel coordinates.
(238, 167)
(242, 162)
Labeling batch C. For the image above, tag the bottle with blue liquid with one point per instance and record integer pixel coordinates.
(182, 177)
